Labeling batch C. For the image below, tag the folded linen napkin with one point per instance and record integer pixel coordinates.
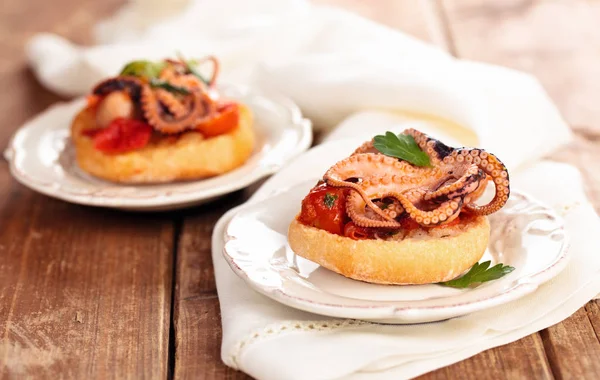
(316, 347)
(340, 67)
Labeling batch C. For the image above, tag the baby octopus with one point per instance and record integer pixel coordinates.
(432, 195)
(168, 112)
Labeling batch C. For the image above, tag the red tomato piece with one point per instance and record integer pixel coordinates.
(91, 132)
(226, 118)
(122, 135)
(325, 207)
(409, 224)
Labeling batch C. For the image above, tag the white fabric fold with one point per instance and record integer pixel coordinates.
(354, 78)
(390, 352)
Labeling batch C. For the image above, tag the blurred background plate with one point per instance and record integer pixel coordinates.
(42, 157)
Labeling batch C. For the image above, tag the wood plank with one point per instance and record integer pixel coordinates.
(84, 293)
(519, 360)
(557, 42)
(19, 21)
(593, 312)
(572, 347)
(196, 310)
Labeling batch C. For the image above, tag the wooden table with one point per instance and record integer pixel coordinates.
(93, 293)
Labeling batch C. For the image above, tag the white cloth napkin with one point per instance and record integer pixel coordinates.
(340, 67)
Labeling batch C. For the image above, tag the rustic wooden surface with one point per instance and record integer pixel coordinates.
(84, 293)
(91, 293)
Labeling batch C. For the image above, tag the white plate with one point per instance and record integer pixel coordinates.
(41, 157)
(525, 234)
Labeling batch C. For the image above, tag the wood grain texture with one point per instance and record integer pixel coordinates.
(196, 313)
(557, 41)
(19, 21)
(84, 293)
(573, 348)
(593, 312)
(522, 359)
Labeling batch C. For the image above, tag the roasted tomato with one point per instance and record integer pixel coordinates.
(408, 224)
(225, 119)
(121, 135)
(325, 208)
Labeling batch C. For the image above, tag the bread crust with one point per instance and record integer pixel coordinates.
(166, 158)
(403, 262)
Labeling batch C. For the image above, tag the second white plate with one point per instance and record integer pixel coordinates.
(525, 234)
(42, 157)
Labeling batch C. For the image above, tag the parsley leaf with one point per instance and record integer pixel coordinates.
(401, 146)
(329, 200)
(157, 83)
(479, 273)
(143, 68)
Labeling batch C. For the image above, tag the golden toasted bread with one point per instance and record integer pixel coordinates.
(165, 158)
(421, 258)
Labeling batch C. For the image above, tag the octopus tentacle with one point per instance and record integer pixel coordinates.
(465, 185)
(359, 166)
(171, 102)
(471, 198)
(430, 196)
(187, 81)
(200, 106)
(367, 147)
(216, 69)
(355, 207)
(132, 85)
(363, 196)
(380, 187)
(444, 213)
(391, 187)
(435, 149)
(494, 168)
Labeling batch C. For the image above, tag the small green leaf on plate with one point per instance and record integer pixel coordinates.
(479, 273)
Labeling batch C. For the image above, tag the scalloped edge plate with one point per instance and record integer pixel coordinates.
(41, 157)
(525, 234)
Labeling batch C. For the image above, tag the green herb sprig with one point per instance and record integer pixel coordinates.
(329, 200)
(401, 146)
(157, 83)
(479, 273)
(143, 68)
(150, 71)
